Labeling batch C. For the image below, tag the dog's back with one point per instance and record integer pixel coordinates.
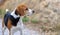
(9, 16)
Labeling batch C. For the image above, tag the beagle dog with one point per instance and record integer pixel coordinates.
(13, 20)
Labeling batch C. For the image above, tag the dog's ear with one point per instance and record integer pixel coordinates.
(20, 11)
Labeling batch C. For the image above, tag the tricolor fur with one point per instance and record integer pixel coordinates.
(13, 20)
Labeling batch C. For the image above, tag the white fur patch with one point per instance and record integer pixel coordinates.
(29, 12)
(14, 15)
(7, 10)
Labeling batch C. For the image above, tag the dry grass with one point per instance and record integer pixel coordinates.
(47, 14)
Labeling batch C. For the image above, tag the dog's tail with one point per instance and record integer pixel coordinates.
(7, 10)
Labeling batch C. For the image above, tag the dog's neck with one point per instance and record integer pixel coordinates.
(14, 14)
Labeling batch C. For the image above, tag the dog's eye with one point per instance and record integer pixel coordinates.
(26, 9)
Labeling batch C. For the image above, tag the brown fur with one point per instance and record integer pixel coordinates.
(21, 9)
(9, 25)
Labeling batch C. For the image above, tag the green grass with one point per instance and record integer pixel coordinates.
(2, 12)
(34, 21)
(25, 19)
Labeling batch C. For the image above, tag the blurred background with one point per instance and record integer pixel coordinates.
(46, 18)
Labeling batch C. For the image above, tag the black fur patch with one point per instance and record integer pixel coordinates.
(14, 20)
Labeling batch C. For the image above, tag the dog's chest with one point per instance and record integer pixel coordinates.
(14, 20)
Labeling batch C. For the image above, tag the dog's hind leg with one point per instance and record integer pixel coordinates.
(9, 26)
(3, 27)
(21, 32)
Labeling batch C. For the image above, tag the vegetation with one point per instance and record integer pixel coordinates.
(25, 19)
(2, 12)
(48, 13)
(34, 21)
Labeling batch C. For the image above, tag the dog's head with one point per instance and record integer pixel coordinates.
(22, 10)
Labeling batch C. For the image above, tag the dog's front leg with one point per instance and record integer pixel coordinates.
(11, 32)
(21, 26)
(21, 32)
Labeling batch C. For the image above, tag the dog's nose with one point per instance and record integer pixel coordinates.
(33, 11)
